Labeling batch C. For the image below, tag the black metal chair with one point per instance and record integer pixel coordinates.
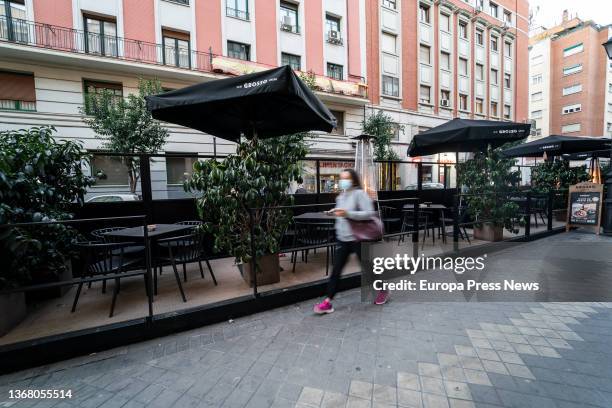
(204, 256)
(449, 220)
(101, 235)
(102, 262)
(310, 236)
(390, 216)
(423, 223)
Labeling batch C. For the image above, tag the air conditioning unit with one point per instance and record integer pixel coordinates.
(334, 35)
(286, 20)
(445, 103)
(286, 24)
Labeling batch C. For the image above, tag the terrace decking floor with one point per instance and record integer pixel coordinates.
(54, 317)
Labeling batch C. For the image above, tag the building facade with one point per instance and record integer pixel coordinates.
(422, 62)
(570, 86)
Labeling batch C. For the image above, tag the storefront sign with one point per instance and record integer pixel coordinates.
(584, 205)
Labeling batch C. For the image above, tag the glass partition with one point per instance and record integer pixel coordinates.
(329, 174)
(116, 179)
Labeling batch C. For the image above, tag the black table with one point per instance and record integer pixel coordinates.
(434, 207)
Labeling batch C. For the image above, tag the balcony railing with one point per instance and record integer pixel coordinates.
(124, 49)
(241, 14)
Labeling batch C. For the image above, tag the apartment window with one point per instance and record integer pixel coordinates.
(569, 90)
(537, 132)
(463, 67)
(536, 96)
(463, 30)
(494, 77)
(494, 109)
(444, 22)
(389, 43)
(425, 54)
(507, 49)
(239, 50)
(610, 107)
(507, 111)
(479, 71)
(507, 80)
(608, 127)
(609, 87)
(537, 114)
(508, 16)
(294, 61)
(13, 24)
(574, 69)
(479, 106)
(237, 9)
(396, 131)
(574, 49)
(445, 60)
(113, 168)
(17, 91)
(389, 4)
(494, 44)
(445, 98)
(335, 71)
(463, 102)
(537, 60)
(390, 86)
(536, 79)
(179, 169)
(100, 36)
(571, 128)
(424, 14)
(494, 9)
(571, 109)
(332, 25)
(289, 17)
(176, 48)
(99, 87)
(479, 37)
(339, 129)
(425, 94)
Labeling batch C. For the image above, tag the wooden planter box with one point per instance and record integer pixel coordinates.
(268, 270)
(13, 307)
(489, 232)
(51, 293)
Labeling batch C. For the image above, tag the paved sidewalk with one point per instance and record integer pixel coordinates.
(433, 355)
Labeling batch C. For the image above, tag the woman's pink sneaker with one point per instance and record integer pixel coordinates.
(382, 297)
(324, 307)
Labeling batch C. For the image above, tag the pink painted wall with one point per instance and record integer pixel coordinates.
(314, 36)
(266, 30)
(354, 45)
(139, 20)
(208, 20)
(56, 12)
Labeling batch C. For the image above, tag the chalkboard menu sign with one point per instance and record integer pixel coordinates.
(584, 205)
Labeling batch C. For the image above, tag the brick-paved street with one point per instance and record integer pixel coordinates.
(432, 355)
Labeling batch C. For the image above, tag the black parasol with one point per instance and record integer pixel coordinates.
(557, 145)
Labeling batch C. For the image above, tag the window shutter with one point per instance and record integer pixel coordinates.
(17, 87)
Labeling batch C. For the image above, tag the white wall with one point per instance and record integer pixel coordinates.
(541, 48)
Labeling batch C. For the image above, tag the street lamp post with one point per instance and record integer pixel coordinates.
(607, 224)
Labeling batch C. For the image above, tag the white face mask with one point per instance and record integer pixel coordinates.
(345, 184)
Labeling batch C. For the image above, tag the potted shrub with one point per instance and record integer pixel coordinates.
(490, 181)
(557, 175)
(258, 175)
(40, 179)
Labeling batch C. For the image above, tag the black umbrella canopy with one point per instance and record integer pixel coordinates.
(556, 145)
(272, 103)
(587, 155)
(466, 136)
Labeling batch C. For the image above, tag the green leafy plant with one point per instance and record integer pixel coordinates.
(490, 180)
(383, 128)
(310, 79)
(40, 180)
(555, 175)
(257, 176)
(125, 125)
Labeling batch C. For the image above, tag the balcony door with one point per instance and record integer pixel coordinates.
(13, 23)
(176, 48)
(100, 36)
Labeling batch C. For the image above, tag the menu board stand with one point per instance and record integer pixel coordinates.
(584, 206)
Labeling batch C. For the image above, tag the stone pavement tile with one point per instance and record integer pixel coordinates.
(494, 367)
(290, 391)
(456, 403)
(516, 338)
(187, 401)
(361, 389)
(432, 386)
(148, 394)
(502, 381)
(559, 343)
(481, 343)
(283, 403)
(113, 402)
(237, 399)
(512, 358)
(354, 402)
(385, 394)
(477, 377)
(333, 400)
(519, 370)
(487, 354)
(409, 398)
(434, 401)
(453, 374)
(311, 397)
(165, 399)
(513, 399)
(474, 334)
(458, 390)
(537, 341)
(525, 349)
(429, 370)
(129, 404)
(484, 394)
(570, 335)
(547, 351)
(385, 376)
(218, 393)
(408, 381)
(466, 351)
(445, 359)
(502, 345)
(472, 363)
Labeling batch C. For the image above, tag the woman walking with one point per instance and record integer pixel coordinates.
(355, 204)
